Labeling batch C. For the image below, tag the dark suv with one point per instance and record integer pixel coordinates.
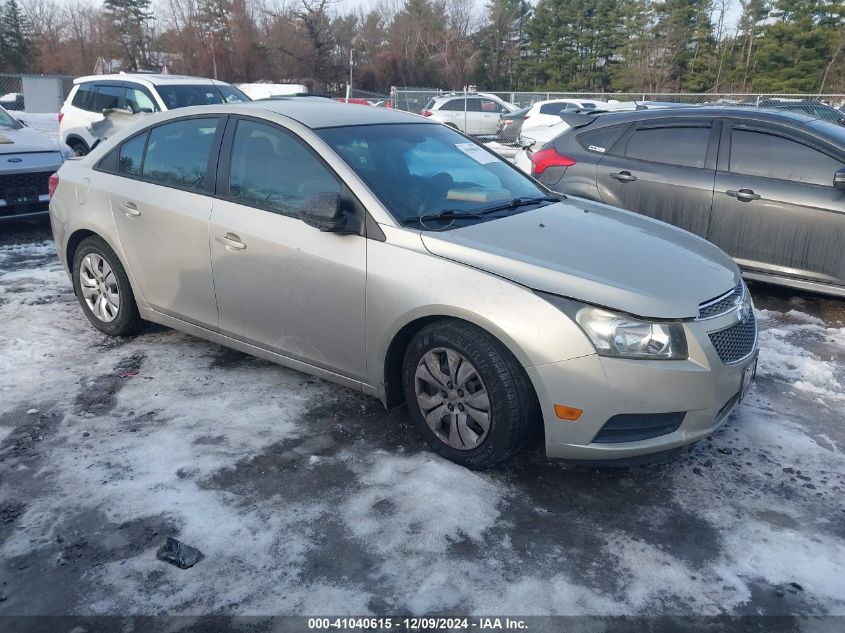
(767, 187)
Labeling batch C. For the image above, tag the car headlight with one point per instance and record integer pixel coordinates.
(623, 336)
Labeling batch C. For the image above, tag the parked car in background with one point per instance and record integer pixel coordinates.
(472, 113)
(810, 107)
(353, 100)
(12, 101)
(546, 113)
(529, 326)
(136, 93)
(540, 135)
(264, 90)
(510, 125)
(27, 158)
(766, 187)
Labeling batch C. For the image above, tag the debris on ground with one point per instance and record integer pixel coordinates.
(179, 554)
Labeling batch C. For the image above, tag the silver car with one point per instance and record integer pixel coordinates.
(392, 255)
(27, 158)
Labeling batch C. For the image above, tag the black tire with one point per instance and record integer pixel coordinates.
(514, 412)
(128, 320)
(79, 148)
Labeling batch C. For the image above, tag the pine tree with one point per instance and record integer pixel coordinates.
(16, 47)
(503, 40)
(796, 49)
(130, 21)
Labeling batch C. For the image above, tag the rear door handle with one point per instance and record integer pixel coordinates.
(743, 195)
(231, 241)
(130, 209)
(624, 176)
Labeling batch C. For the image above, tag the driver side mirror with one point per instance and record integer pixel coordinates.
(324, 211)
(839, 180)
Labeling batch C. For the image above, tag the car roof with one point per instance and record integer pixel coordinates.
(759, 114)
(469, 95)
(323, 113)
(151, 78)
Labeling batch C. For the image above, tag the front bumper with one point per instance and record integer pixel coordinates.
(702, 387)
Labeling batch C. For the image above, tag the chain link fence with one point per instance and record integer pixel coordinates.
(415, 99)
(472, 113)
(35, 99)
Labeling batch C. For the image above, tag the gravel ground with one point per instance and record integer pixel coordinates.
(308, 498)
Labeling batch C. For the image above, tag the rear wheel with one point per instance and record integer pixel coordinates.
(103, 289)
(467, 394)
(79, 148)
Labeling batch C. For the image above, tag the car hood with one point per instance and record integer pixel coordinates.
(597, 254)
(25, 140)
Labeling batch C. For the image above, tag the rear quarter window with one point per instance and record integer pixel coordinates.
(602, 140)
(84, 97)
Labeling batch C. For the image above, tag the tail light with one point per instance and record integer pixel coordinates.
(52, 183)
(426, 112)
(61, 116)
(549, 157)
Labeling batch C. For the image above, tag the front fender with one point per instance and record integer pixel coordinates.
(405, 285)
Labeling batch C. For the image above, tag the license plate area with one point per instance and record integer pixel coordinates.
(748, 376)
(21, 195)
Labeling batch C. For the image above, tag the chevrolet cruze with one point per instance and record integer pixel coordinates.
(393, 255)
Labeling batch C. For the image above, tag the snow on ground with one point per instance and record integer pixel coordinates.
(308, 498)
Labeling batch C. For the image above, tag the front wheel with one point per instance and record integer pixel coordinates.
(103, 289)
(468, 395)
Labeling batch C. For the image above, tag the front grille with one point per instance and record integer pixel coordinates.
(736, 342)
(721, 304)
(631, 427)
(36, 179)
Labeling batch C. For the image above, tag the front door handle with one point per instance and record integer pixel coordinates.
(231, 241)
(743, 195)
(130, 209)
(624, 176)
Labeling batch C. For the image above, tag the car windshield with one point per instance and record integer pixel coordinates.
(421, 169)
(7, 120)
(199, 94)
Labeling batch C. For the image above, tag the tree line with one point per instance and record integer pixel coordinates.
(568, 45)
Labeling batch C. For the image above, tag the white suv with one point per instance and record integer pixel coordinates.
(474, 113)
(136, 93)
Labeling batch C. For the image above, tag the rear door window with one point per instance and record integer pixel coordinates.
(757, 153)
(672, 145)
(109, 97)
(178, 153)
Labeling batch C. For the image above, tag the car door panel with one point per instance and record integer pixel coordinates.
(681, 195)
(792, 225)
(169, 220)
(281, 284)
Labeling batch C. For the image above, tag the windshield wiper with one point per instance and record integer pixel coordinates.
(445, 214)
(516, 203)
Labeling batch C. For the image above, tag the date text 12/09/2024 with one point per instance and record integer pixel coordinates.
(413, 624)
